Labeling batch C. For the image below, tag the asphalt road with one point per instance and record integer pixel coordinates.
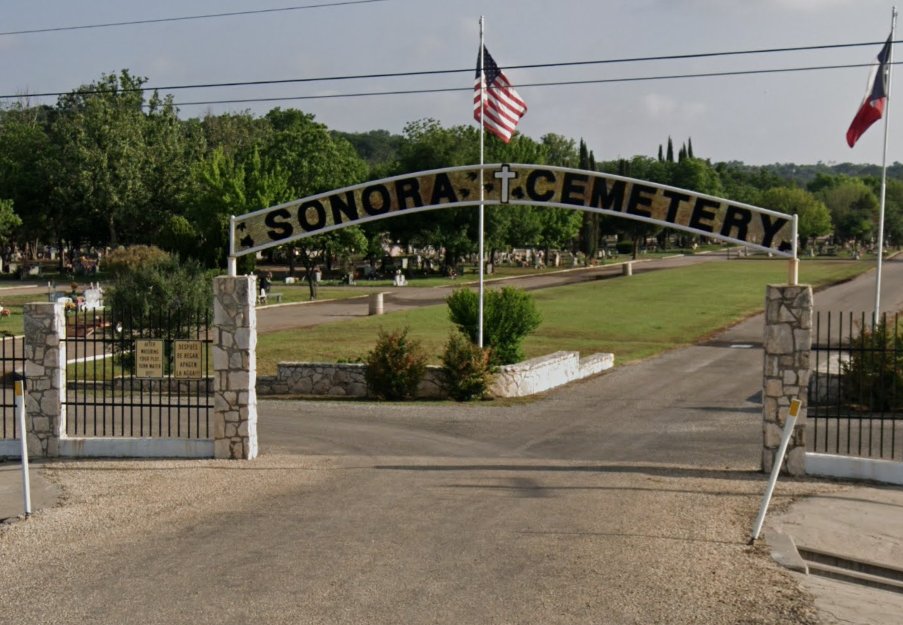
(626, 498)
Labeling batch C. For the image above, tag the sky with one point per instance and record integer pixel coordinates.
(798, 117)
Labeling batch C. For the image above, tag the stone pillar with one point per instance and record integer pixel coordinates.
(45, 372)
(235, 367)
(788, 341)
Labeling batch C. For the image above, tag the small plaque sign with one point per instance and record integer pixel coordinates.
(148, 358)
(188, 359)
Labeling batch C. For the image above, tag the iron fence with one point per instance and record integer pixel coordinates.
(856, 386)
(138, 375)
(12, 361)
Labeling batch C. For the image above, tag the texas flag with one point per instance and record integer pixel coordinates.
(872, 108)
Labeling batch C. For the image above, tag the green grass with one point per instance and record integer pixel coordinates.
(634, 318)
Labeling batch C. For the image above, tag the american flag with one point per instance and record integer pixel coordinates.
(502, 107)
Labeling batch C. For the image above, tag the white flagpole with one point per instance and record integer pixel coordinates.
(482, 194)
(890, 64)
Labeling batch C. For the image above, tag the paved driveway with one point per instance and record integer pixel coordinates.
(627, 498)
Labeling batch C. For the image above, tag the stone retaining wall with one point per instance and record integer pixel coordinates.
(347, 379)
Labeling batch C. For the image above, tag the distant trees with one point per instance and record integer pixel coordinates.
(814, 217)
(112, 164)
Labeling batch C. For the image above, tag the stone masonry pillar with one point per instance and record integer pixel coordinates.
(788, 341)
(45, 372)
(235, 367)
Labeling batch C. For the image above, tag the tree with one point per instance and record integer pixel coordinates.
(427, 145)
(26, 161)
(814, 217)
(99, 130)
(314, 160)
(853, 206)
(9, 221)
(670, 154)
(228, 187)
(589, 232)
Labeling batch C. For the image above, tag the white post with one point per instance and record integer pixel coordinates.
(890, 64)
(794, 277)
(23, 443)
(231, 264)
(482, 192)
(776, 467)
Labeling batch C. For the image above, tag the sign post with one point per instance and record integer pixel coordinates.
(792, 414)
(23, 440)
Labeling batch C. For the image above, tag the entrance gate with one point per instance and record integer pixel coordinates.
(105, 410)
(788, 310)
(12, 364)
(111, 393)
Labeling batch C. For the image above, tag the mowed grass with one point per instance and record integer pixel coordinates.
(633, 317)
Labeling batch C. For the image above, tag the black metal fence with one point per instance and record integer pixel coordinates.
(856, 386)
(12, 361)
(138, 375)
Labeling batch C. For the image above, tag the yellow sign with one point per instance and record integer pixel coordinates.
(795, 405)
(188, 359)
(511, 183)
(148, 358)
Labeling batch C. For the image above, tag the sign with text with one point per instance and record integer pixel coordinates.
(505, 184)
(188, 359)
(148, 358)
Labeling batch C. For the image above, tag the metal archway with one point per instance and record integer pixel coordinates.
(511, 183)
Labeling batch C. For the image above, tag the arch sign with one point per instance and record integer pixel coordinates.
(515, 184)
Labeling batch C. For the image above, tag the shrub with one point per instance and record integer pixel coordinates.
(509, 315)
(873, 377)
(624, 247)
(162, 286)
(395, 365)
(466, 369)
(160, 298)
(126, 259)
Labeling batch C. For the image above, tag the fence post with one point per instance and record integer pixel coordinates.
(788, 341)
(45, 370)
(235, 367)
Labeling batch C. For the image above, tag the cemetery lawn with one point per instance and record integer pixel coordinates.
(633, 318)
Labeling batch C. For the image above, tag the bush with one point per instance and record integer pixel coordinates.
(395, 366)
(624, 247)
(123, 260)
(466, 369)
(509, 315)
(159, 297)
(873, 377)
(162, 286)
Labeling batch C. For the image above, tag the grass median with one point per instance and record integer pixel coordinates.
(633, 317)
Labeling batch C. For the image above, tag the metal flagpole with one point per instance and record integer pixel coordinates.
(890, 64)
(482, 193)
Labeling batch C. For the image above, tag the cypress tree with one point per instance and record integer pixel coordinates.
(670, 154)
